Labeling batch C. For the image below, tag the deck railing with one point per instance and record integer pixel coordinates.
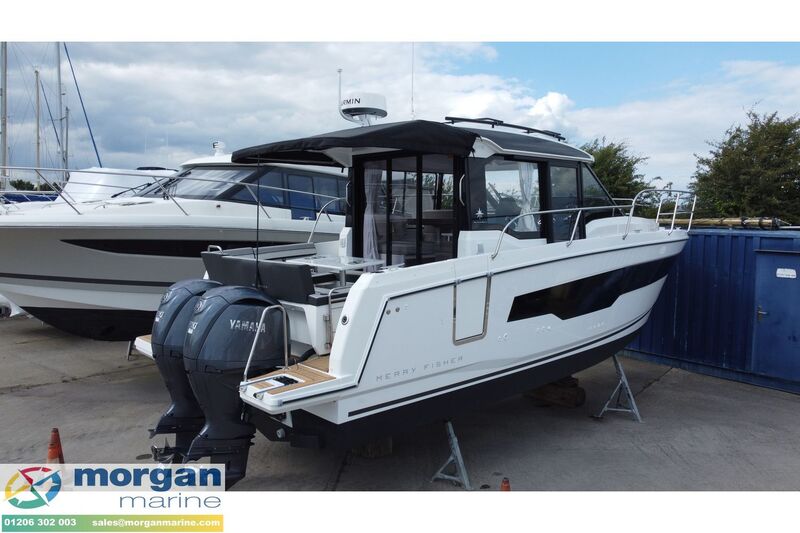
(662, 196)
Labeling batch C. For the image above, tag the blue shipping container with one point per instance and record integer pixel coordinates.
(730, 308)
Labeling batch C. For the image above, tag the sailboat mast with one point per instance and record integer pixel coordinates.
(60, 104)
(3, 111)
(66, 137)
(38, 118)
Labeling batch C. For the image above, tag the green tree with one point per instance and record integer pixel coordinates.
(617, 167)
(22, 185)
(753, 171)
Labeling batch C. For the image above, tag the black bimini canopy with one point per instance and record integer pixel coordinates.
(338, 148)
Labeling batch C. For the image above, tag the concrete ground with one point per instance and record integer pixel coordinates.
(699, 433)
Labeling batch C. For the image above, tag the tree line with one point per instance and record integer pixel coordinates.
(754, 170)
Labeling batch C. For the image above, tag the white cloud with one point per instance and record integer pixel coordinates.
(174, 99)
(673, 128)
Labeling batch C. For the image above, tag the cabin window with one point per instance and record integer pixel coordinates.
(209, 183)
(594, 195)
(270, 197)
(503, 189)
(563, 195)
(327, 187)
(272, 192)
(301, 202)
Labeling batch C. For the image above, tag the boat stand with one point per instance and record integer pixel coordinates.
(131, 354)
(624, 401)
(459, 474)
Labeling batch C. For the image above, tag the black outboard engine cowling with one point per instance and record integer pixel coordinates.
(183, 417)
(218, 341)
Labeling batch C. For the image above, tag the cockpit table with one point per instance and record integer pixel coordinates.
(336, 263)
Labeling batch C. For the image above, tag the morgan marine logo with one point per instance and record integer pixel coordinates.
(33, 487)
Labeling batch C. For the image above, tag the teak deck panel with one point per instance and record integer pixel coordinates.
(320, 363)
(311, 372)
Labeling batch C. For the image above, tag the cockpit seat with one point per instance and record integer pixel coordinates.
(237, 266)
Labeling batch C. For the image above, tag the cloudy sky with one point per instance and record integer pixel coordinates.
(161, 104)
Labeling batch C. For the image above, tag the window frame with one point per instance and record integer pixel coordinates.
(358, 203)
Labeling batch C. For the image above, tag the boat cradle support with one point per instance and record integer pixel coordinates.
(459, 475)
(622, 396)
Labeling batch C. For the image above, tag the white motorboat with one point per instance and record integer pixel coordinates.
(86, 185)
(98, 268)
(476, 264)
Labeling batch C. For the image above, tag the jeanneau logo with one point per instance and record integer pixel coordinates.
(33, 487)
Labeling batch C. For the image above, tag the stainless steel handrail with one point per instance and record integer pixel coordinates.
(552, 212)
(574, 229)
(319, 215)
(245, 382)
(169, 196)
(257, 199)
(88, 171)
(60, 192)
(669, 192)
(579, 210)
(329, 344)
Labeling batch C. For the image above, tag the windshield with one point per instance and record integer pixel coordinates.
(201, 183)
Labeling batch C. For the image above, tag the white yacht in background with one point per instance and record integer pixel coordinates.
(98, 268)
(83, 186)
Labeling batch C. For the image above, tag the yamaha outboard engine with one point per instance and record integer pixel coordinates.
(217, 345)
(183, 417)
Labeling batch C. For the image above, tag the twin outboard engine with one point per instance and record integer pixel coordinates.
(183, 417)
(217, 344)
(202, 337)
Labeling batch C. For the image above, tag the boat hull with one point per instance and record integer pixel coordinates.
(105, 282)
(309, 430)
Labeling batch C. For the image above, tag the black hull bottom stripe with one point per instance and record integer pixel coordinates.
(96, 281)
(512, 369)
(160, 247)
(98, 324)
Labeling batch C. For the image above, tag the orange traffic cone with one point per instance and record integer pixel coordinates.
(505, 485)
(54, 453)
